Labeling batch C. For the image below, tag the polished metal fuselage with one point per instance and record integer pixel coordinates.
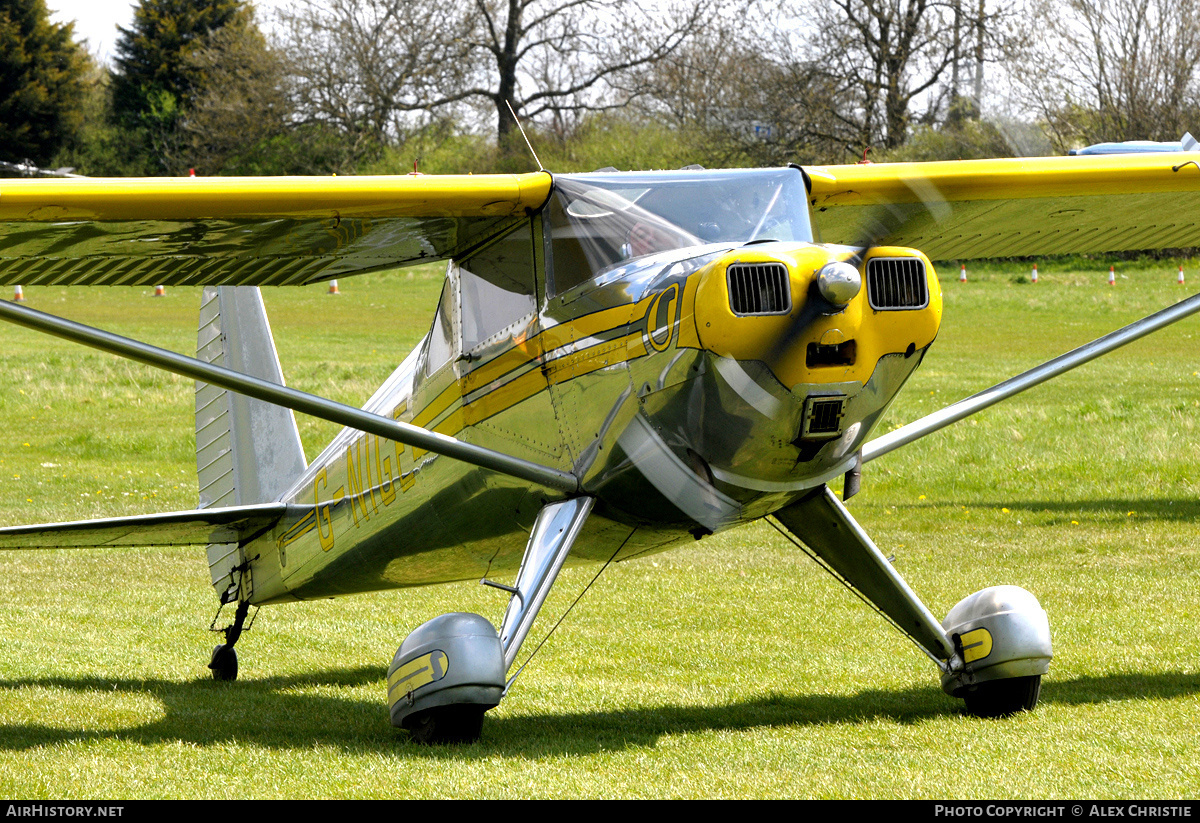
(641, 382)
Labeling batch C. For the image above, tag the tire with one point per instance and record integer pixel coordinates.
(462, 723)
(224, 663)
(1004, 698)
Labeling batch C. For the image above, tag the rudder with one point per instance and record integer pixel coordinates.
(247, 451)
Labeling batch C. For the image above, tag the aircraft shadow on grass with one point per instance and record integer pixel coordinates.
(269, 712)
(1157, 508)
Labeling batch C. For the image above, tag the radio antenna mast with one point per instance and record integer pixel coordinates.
(524, 135)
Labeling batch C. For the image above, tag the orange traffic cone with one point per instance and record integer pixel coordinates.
(333, 289)
(1033, 276)
(1112, 276)
(160, 291)
(18, 295)
(1180, 281)
(962, 274)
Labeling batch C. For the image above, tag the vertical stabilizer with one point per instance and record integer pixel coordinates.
(247, 451)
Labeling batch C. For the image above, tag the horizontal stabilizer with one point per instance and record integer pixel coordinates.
(197, 527)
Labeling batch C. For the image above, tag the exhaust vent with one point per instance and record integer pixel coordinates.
(895, 283)
(822, 417)
(759, 288)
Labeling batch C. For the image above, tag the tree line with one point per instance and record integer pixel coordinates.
(352, 86)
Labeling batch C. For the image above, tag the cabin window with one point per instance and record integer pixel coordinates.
(497, 289)
(572, 265)
(440, 346)
(599, 221)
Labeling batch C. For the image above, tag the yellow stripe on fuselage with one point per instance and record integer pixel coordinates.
(448, 413)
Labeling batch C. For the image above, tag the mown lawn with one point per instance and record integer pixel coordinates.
(733, 667)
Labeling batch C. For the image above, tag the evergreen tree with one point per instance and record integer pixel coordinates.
(41, 82)
(152, 84)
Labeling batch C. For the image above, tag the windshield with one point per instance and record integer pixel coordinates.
(598, 221)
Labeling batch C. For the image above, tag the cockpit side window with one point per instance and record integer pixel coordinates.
(569, 262)
(497, 289)
(439, 346)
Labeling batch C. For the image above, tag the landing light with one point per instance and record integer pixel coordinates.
(839, 282)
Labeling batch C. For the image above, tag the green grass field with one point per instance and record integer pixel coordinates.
(733, 667)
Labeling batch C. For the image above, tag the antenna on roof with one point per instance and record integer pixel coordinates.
(523, 134)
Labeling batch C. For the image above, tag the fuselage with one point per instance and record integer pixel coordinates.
(662, 336)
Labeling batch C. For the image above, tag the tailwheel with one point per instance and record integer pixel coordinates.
(462, 723)
(1004, 697)
(224, 663)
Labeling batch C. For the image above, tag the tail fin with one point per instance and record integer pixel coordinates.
(247, 451)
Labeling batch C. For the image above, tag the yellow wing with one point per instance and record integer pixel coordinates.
(247, 231)
(1014, 207)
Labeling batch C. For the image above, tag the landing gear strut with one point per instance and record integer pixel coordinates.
(992, 648)
(224, 662)
(451, 669)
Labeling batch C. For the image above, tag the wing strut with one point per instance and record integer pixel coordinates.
(310, 404)
(1040, 374)
(821, 522)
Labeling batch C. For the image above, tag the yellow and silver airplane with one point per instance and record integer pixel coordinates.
(619, 363)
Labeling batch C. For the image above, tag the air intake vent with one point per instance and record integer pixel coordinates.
(759, 288)
(822, 417)
(896, 283)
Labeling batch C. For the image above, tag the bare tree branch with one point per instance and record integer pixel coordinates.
(1102, 70)
(370, 66)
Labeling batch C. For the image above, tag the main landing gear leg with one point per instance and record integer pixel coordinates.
(224, 662)
(452, 669)
(992, 648)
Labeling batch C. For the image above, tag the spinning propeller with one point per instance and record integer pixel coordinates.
(882, 224)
